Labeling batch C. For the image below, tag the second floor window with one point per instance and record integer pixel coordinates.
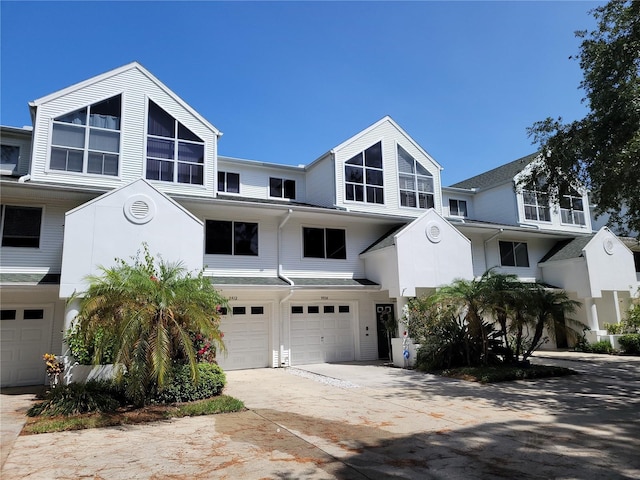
(88, 140)
(21, 226)
(572, 209)
(458, 208)
(10, 157)
(174, 153)
(228, 182)
(231, 238)
(514, 254)
(535, 198)
(364, 176)
(324, 243)
(416, 183)
(282, 188)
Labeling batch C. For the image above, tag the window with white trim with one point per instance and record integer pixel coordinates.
(324, 243)
(231, 238)
(21, 226)
(364, 176)
(88, 140)
(228, 182)
(174, 153)
(572, 209)
(457, 208)
(416, 183)
(535, 197)
(282, 188)
(514, 254)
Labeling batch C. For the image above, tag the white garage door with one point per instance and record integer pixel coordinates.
(246, 336)
(26, 336)
(321, 333)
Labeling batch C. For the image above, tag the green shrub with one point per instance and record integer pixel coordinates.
(182, 388)
(75, 398)
(630, 343)
(614, 328)
(84, 350)
(603, 346)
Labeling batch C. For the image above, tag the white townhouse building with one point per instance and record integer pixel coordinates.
(310, 257)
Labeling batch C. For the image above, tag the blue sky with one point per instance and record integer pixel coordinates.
(287, 81)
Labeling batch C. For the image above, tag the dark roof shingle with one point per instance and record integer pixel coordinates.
(498, 175)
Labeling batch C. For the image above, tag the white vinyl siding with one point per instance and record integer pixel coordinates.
(136, 88)
(23, 142)
(321, 182)
(263, 265)
(47, 257)
(497, 205)
(254, 179)
(359, 235)
(536, 249)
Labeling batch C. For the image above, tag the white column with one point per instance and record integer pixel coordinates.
(616, 303)
(592, 314)
(70, 313)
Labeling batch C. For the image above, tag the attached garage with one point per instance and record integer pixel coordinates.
(322, 333)
(25, 333)
(247, 334)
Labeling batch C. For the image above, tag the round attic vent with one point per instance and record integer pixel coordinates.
(433, 232)
(609, 245)
(139, 209)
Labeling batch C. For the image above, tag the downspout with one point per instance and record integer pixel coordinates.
(495, 235)
(282, 224)
(283, 359)
(24, 178)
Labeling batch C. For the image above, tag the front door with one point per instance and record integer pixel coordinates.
(387, 328)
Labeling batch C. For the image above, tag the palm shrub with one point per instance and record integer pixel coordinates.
(77, 398)
(151, 309)
(495, 318)
(545, 308)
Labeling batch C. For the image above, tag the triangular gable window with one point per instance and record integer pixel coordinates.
(174, 153)
(88, 140)
(416, 183)
(364, 176)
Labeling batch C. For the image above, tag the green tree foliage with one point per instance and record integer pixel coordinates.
(602, 150)
(495, 318)
(151, 309)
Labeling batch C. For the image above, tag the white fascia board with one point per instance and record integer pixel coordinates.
(133, 65)
(387, 119)
(462, 191)
(257, 163)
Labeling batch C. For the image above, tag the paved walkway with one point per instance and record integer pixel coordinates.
(357, 421)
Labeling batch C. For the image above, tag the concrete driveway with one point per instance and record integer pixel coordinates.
(363, 421)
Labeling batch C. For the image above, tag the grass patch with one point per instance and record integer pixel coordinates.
(130, 416)
(505, 373)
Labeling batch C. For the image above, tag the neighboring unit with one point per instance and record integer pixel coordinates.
(311, 258)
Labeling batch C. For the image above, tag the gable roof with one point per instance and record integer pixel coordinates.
(567, 249)
(33, 105)
(386, 240)
(385, 119)
(497, 176)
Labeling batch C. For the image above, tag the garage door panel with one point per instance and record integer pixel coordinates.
(24, 341)
(246, 337)
(321, 336)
